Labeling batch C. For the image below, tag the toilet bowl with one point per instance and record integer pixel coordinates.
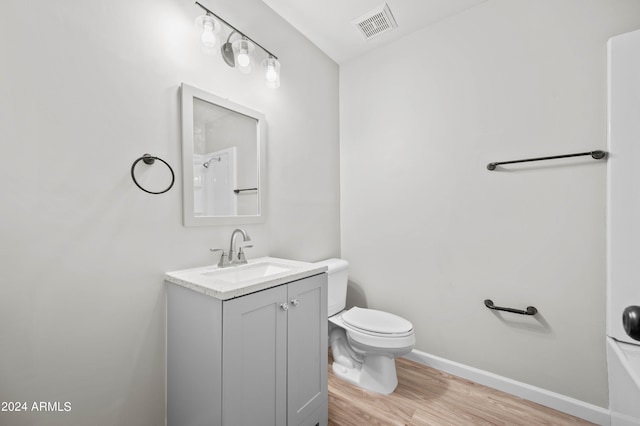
(364, 342)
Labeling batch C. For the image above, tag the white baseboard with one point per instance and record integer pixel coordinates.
(575, 407)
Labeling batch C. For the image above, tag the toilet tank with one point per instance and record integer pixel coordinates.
(338, 270)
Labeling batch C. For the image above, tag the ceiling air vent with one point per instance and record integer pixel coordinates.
(376, 22)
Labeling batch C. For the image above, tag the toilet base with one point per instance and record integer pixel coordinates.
(376, 374)
(373, 372)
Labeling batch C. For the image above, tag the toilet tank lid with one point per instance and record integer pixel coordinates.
(334, 265)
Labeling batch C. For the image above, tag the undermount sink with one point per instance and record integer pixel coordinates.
(238, 280)
(241, 273)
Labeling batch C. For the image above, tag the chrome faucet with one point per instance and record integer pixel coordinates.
(230, 259)
(241, 259)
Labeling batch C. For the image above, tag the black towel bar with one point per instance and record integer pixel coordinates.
(237, 191)
(596, 155)
(530, 309)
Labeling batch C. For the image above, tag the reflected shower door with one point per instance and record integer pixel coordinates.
(218, 180)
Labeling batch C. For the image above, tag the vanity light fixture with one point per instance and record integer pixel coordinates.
(238, 53)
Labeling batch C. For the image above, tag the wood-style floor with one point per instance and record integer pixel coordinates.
(426, 396)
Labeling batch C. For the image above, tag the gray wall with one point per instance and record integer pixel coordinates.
(86, 87)
(431, 233)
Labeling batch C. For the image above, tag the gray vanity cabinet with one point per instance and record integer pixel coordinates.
(264, 361)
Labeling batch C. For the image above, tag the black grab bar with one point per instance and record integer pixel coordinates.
(530, 309)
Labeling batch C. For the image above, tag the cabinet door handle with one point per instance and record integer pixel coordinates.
(295, 302)
(284, 306)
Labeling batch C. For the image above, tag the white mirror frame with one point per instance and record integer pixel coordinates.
(188, 94)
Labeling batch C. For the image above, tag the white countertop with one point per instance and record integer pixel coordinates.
(210, 279)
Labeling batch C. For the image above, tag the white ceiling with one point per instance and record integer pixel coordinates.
(328, 23)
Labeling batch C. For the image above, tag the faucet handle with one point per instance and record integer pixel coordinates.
(224, 258)
(241, 256)
(241, 259)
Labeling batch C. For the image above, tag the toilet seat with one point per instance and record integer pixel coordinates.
(377, 323)
(378, 340)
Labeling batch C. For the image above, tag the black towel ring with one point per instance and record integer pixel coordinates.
(150, 159)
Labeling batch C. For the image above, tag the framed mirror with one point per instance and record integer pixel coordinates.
(223, 160)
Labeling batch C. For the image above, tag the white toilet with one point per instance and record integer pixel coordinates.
(364, 342)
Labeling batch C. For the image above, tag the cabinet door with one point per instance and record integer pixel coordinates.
(307, 351)
(194, 358)
(254, 359)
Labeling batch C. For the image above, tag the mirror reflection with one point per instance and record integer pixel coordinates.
(222, 153)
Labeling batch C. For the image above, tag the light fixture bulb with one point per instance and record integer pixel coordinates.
(210, 30)
(243, 58)
(208, 37)
(243, 49)
(272, 72)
